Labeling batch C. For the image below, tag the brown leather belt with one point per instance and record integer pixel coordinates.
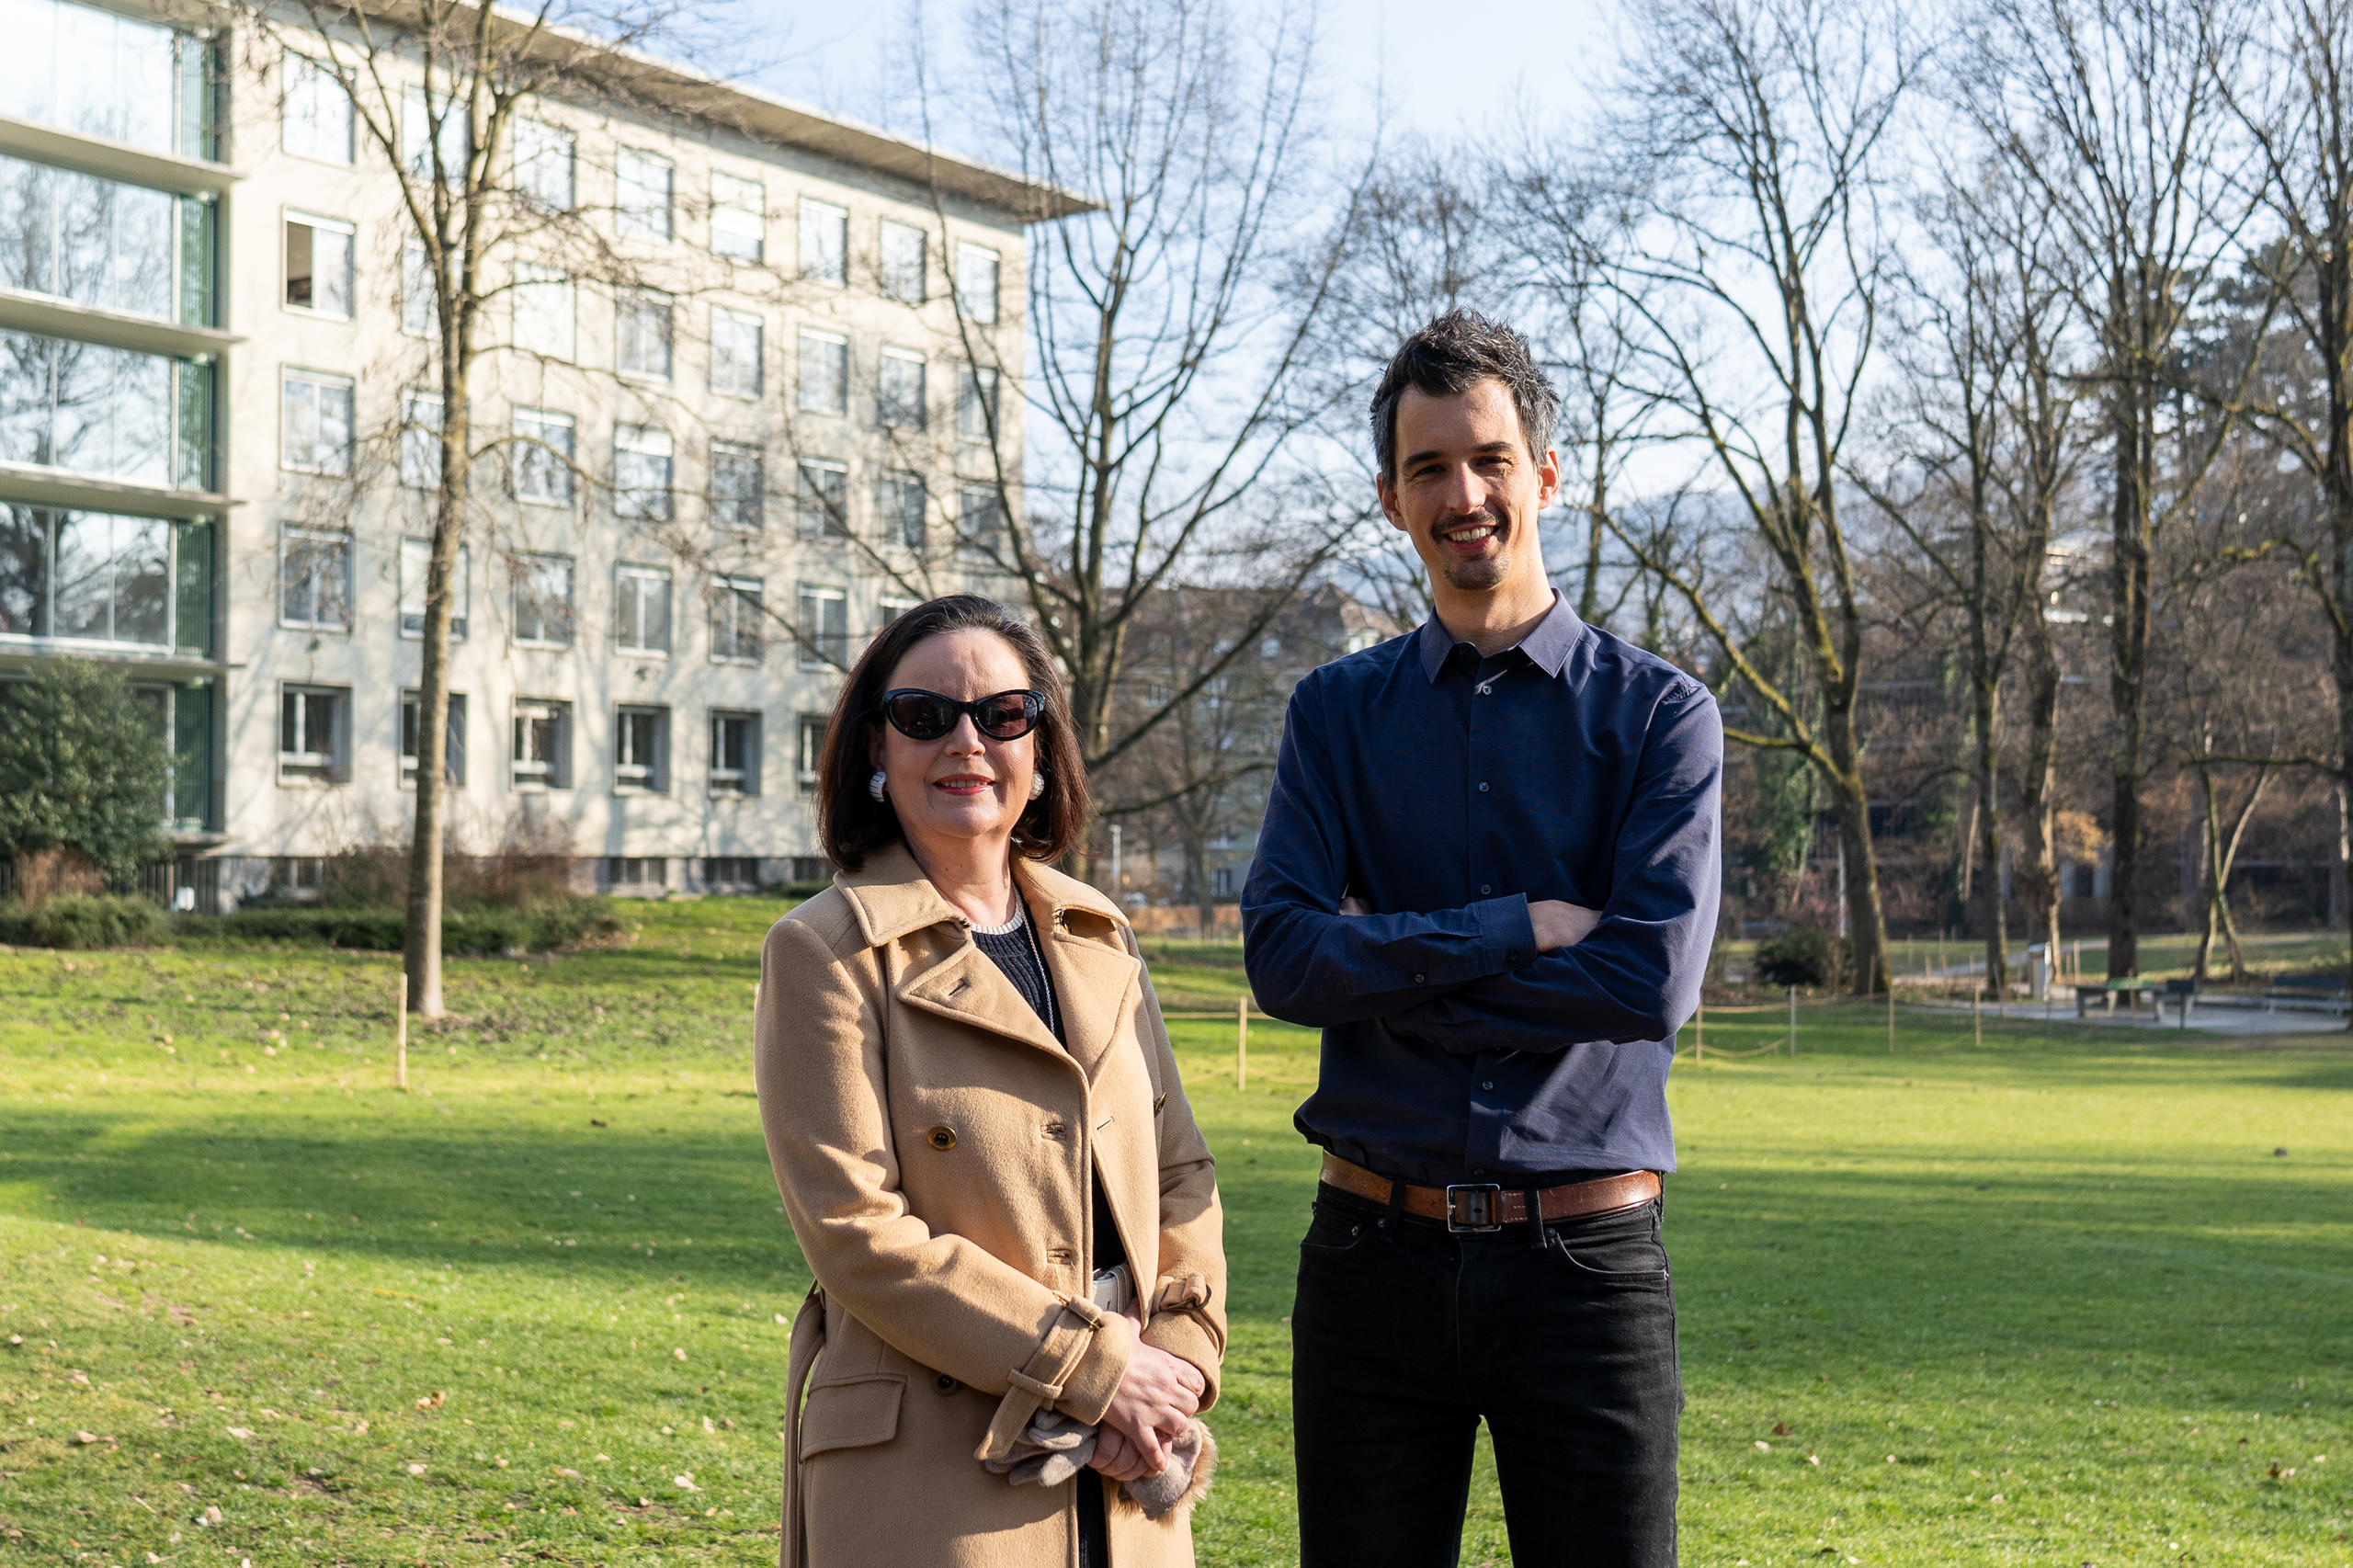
(1489, 1206)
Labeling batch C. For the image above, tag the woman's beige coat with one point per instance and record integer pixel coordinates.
(932, 1140)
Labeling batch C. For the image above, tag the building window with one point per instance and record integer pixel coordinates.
(825, 629)
(314, 579)
(95, 577)
(547, 315)
(108, 412)
(979, 519)
(639, 872)
(898, 390)
(542, 745)
(417, 563)
(734, 753)
(825, 373)
(542, 463)
(420, 306)
(735, 485)
(88, 70)
(976, 402)
(424, 142)
(421, 439)
(889, 609)
(301, 876)
(735, 620)
(319, 264)
(453, 751)
(109, 245)
(901, 499)
(315, 113)
(642, 210)
(902, 262)
(735, 353)
(738, 217)
(810, 751)
(314, 733)
(315, 423)
(546, 161)
(543, 603)
(825, 243)
(824, 499)
(730, 874)
(642, 749)
(976, 271)
(641, 471)
(641, 334)
(642, 594)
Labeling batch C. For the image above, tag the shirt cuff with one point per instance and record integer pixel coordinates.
(1506, 933)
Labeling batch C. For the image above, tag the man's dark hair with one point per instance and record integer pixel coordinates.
(1447, 358)
(852, 824)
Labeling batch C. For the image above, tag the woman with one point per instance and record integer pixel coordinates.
(977, 1126)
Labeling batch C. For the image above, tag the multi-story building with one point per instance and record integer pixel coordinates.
(731, 426)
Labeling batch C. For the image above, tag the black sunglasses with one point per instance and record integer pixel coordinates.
(923, 715)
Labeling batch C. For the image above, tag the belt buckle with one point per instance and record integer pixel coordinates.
(1474, 1206)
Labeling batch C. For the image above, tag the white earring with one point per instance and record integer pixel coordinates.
(875, 785)
(1037, 784)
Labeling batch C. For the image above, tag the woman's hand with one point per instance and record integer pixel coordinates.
(1116, 1457)
(1156, 1397)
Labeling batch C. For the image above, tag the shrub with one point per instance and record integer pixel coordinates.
(477, 931)
(1805, 958)
(83, 921)
(82, 766)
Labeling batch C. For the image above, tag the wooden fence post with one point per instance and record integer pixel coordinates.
(1891, 1015)
(1242, 1041)
(1793, 1023)
(400, 1040)
(1976, 1025)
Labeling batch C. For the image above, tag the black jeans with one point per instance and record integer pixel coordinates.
(1404, 1335)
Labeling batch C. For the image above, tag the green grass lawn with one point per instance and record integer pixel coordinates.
(2052, 1300)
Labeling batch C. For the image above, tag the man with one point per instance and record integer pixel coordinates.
(1489, 874)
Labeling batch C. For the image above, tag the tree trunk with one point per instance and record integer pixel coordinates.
(2212, 873)
(2129, 550)
(2038, 784)
(422, 949)
(1989, 841)
(1866, 922)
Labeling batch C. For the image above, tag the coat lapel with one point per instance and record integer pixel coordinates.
(1095, 980)
(967, 986)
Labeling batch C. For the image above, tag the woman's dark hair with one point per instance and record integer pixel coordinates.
(1449, 357)
(853, 824)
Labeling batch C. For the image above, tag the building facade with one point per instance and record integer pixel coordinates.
(738, 414)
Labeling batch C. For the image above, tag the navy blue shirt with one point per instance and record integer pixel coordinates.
(1447, 790)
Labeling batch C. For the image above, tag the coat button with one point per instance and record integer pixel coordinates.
(941, 1138)
(1055, 1129)
(1486, 888)
(1060, 1255)
(944, 1383)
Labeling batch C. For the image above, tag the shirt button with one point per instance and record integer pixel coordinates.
(1487, 1084)
(1417, 980)
(1484, 888)
(1483, 691)
(1482, 786)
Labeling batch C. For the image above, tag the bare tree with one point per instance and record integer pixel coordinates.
(436, 91)
(1744, 235)
(2110, 110)
(1169, 342)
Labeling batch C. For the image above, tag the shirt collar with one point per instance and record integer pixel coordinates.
(1547, 646)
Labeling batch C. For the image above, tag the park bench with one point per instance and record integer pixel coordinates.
(2305, 993)
(2183, 991)
(2130, 987)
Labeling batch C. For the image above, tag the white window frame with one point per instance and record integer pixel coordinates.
(529, 574)
(720, 779)
(836, 348)
(420, 443)
(415, 561)
(739, 217)
(335, 464)
(641, 208)
(305, 83)
(812, 517)
(890, 487)
(814, 637)
(731, 600)
(966, 539)
(289, 221)
(546, 313)
(540, 773)
(541, 147)
(824, 241)
(733, 327)
(629, 588)
(644, 307)
(976, 395)
(416, 144)
(891, 413)
(339, 542)
(420, 306)
(532, 448)
(758, 499)
(647, 445)
(304, 761)
(904, 277)
(453, 740)
(974, 262)
(809, 749)
(633, 774)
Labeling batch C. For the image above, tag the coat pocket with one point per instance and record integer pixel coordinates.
(852, 1413)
